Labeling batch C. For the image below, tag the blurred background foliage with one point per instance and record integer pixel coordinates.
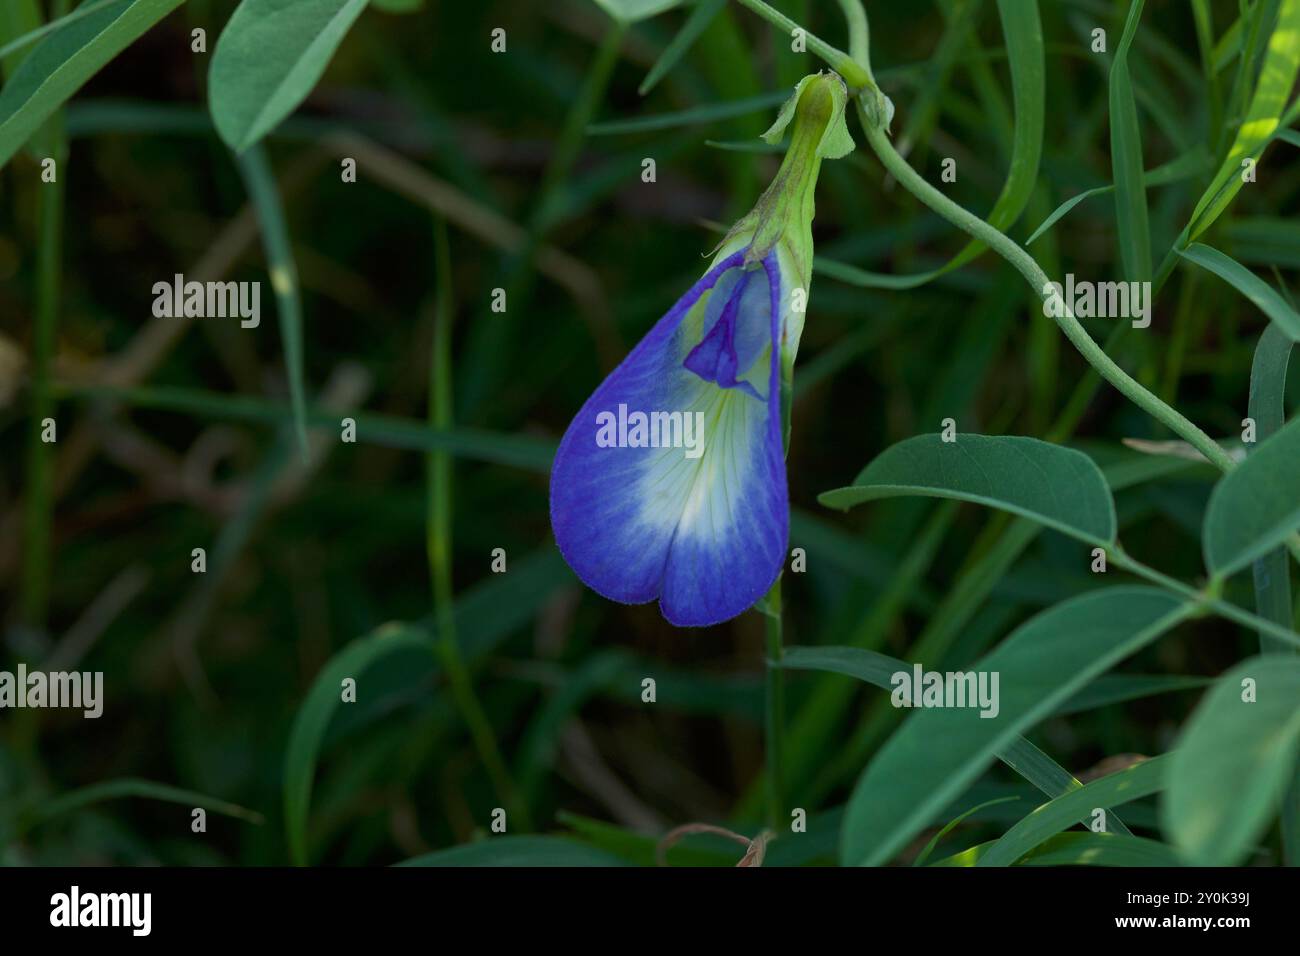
(174, 435)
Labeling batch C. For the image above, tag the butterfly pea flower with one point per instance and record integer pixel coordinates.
(670, 481)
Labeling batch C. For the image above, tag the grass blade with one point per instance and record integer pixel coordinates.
(1259, 292)
(1023, 33)
(313, 718)
(1112, 790)
(1276, 79)
(1126, 160)
(1184, 167)
(51, 808)
(284, 277)
(696, 116)
(438, 466)
(515, 451)
(952, 824)
(698, 21)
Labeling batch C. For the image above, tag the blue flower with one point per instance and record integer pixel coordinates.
(670, 481)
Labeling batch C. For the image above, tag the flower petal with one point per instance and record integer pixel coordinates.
(703, 528)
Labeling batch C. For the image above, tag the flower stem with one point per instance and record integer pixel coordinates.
(1028, 267)
(774, 717)
(857, 71)
(1207, 599)
(857, 77)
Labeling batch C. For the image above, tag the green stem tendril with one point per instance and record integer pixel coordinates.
(857, 72)
(857, 76)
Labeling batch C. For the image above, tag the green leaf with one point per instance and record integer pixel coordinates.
(1259, 292)
(1126, 159)
(630, 11)
(518, 851)
(269, 57)
(1276, 78)
(1233, 761)
(878, 670)
(695, 24)
(1272, 572)
(1055, 486)
(1113, 790)
(262, 190)
(1256, 506)
(938, 752)
(61, 64)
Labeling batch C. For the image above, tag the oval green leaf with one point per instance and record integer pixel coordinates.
(1256, 506)
(1233, 761)
(1055, 486)
(268, 58)
(631, 11)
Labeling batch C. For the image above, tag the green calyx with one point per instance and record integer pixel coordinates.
(815, 117)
